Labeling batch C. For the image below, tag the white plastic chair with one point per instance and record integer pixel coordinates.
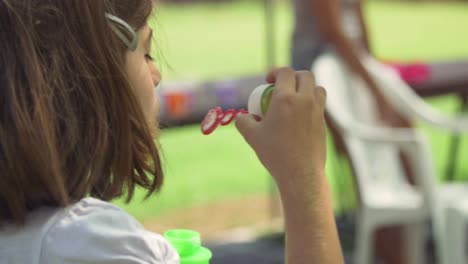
(386, 196)
(456, 233)
(447, 202)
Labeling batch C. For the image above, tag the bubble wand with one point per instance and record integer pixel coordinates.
(259, 100)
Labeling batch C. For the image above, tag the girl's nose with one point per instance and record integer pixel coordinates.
(155, 74)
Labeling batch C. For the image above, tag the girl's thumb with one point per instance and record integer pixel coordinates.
(246, 124)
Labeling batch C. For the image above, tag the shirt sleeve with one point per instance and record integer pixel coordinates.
(93, 231)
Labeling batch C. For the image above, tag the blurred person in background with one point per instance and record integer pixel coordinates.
(339, 26)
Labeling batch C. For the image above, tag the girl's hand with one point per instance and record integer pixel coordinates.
(290, 140)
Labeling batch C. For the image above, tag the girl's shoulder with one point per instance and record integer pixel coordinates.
(89, 231)
(95, 231)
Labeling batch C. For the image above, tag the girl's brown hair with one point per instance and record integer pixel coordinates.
(70, 125)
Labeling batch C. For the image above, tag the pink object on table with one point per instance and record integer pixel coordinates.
(412, 73)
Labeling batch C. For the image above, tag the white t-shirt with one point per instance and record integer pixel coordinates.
(90, 231)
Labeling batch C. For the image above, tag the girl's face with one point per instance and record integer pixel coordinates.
(144, 75)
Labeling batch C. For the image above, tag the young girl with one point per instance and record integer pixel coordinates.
(77, 123)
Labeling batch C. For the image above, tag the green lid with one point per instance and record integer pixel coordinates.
(266, 99)
(188, 245)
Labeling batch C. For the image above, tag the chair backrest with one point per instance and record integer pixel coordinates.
(349, 102)
(406, 101)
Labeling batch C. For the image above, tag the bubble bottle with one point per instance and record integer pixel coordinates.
(187, 243)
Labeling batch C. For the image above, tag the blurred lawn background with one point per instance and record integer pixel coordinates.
(215, 41)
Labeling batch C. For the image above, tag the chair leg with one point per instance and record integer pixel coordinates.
(455, 145)
(456, 238)
(364, 246)
(416, 242)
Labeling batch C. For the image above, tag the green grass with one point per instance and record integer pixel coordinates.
(201, 169)
(218, 40)
(418, 31)
(215, 40)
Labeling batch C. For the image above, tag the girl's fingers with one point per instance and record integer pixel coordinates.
(289, 81)
(271, 77)
(305, 83)
(284, 80)
(321, 96)
(246, 124)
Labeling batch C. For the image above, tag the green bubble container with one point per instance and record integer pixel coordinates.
(188, 244)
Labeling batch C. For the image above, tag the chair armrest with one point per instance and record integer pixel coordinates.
(408, 103)
(409, 141)
(382, 134)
